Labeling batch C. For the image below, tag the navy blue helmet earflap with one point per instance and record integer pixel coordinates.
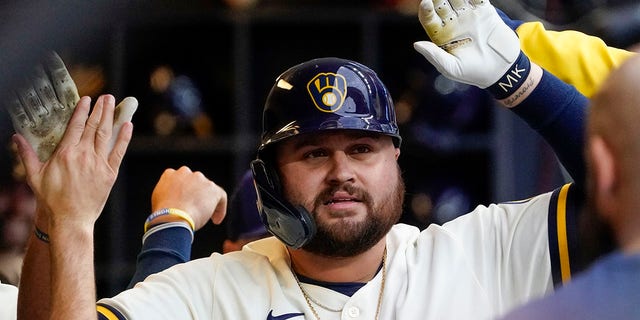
(317, 95)
(293, 225)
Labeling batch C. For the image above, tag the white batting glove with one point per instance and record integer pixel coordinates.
(471, 44)
(43, 106)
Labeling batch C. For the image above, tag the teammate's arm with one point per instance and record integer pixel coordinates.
(34, 294)
(576, 58)
(43, 105)
(167, 240)
(71, 189)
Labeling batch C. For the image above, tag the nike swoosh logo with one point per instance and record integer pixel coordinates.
(283, 316)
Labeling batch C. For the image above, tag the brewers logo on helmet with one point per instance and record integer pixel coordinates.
(328, 91)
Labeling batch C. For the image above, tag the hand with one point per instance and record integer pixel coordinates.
(191, 192)
(73, 185)
(44, 104)
(470, 42)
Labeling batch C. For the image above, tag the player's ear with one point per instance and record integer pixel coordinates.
(603, 175)
(397, 153)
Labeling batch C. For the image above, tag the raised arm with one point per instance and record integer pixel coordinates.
(71, 189)
(40, 113)
(471, 44)
(188, 197)
(576, 58)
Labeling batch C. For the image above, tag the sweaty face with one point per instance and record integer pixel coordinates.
(349, 181)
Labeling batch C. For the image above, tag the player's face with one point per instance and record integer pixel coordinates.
(350, 182)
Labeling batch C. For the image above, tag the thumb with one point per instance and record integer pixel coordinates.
(27, 155)
(442, 60)
(220, 211)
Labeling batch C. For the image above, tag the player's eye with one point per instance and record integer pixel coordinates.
(361, 148)
(315, 153)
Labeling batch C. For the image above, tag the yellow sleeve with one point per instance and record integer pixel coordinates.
(576, 58)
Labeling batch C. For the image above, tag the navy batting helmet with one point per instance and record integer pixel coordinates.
(317, 95)
(326, 94)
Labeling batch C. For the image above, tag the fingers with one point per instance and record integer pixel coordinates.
(125, 110)
(120, 145)
(43, 105)
(430, 21)
(76, 125)
(19, 116)
(93, 122)
(123, 113)
(444, 10)
(221, 209)
(478, 3)
(437, 56)
(45, 91)
(100, 124)
(62, 82)
(31, 106)
(192, 192)
(459, 6)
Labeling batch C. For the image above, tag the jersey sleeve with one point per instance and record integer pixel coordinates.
(576, 58)
(106, 312)
(161, 250)
(558, 112)
(184, 291)
(572, 247)
(521, 249)
(564, 211)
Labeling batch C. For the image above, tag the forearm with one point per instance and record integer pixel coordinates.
(557, 112)
(73, 293)
(34, 295)
(162, 249)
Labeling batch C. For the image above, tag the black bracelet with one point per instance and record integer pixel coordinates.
(41, 235)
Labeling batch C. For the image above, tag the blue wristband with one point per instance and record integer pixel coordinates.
(511, 81)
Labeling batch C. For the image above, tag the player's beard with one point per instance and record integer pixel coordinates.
(352, 238)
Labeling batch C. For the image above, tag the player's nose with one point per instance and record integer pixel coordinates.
(341, 168)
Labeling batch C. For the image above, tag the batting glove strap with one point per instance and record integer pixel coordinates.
(511, 81)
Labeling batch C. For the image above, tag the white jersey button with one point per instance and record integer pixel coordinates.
(353, 312)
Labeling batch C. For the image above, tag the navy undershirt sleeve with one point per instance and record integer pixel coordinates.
(557, 111)
(513, 24)
(162, 250)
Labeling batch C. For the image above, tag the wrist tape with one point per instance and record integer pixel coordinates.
(511, 81)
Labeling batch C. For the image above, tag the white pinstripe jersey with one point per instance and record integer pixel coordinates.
(475, 267)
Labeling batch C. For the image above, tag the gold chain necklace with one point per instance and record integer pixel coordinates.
(309, 299)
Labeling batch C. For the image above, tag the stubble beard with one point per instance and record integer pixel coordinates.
(349, 239)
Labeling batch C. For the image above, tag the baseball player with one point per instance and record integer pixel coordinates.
(536, 42)
(337, 253)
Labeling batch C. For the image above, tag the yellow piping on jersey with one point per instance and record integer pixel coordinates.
(561, 223)
(106, 312)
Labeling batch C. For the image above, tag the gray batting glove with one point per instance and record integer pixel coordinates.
(43, 106)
